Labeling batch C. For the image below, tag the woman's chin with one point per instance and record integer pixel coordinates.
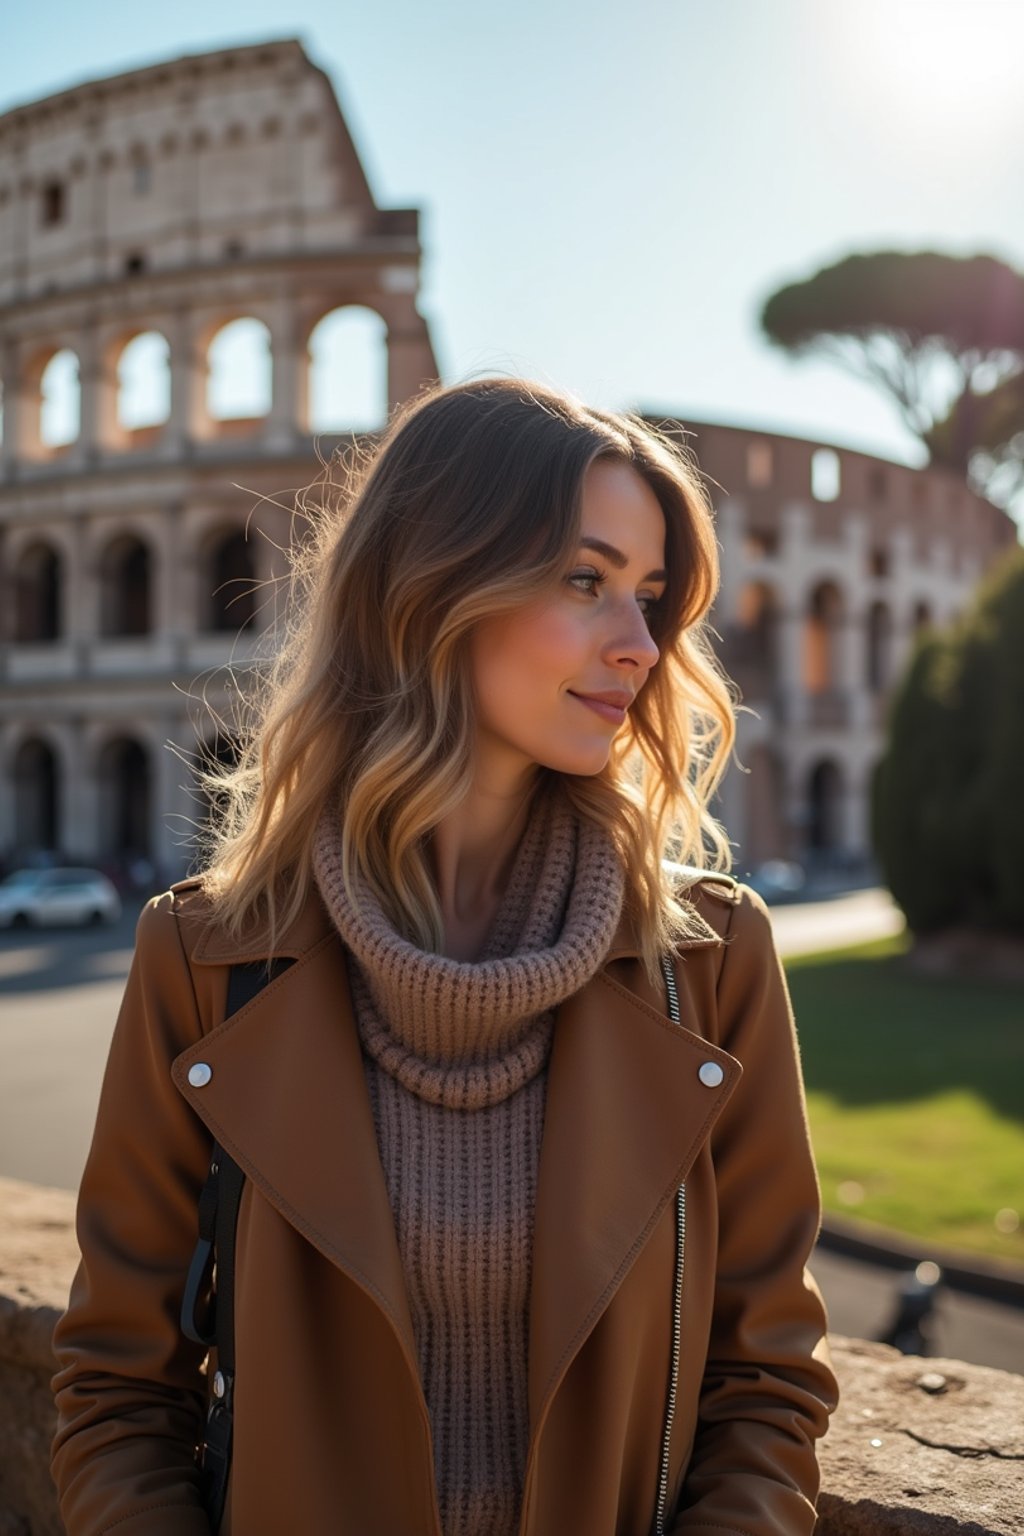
(578, 763)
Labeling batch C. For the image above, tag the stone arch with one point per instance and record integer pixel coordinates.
(879, 646)
(38, 583)
(765, 791)
(139, 162)
(219, 748)
(60, 400)
(824, 807)
(752, 644)
(126, 583)
(53, 202)
(822, 630)
(239, 388)
(36, 796)
(348, 370)
(758, 618)
(229, 582)
(125, 791)
(143, 372)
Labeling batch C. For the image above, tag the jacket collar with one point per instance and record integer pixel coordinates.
(214, 946)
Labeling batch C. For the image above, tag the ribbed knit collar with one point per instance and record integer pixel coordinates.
(469, 1033)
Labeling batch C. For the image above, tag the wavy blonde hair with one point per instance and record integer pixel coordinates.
(468, 506)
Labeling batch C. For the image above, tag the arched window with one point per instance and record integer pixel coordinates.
(125, 576)
(757, 617)
(753, 641)
(125, 799)
(144, 382)
(54, 204)
(826, 479)
(61, 400)
(879, 647)
(240, 381)
(35, 797)
(765, 835)
(821, 638)
(232, 582)
(825, 787)
(222, 750)
(37, 594)
(348, 371)
(759, 464)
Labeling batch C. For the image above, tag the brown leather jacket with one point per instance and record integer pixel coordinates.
(332, 1434)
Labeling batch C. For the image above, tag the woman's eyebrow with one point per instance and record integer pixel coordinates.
(616, 557)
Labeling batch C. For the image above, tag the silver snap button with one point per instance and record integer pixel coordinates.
(200, 1074)
(218, 1383)
(710, 1074)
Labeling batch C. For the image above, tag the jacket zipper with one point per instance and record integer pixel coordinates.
(677, 1297)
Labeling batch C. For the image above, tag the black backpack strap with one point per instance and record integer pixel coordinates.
(197, 1308)
(208, 1305)
(215, 1451)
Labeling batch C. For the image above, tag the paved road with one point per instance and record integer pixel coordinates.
(59, 994)
(861, 1299)
(835, 921)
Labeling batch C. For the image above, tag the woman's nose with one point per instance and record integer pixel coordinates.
(632, 643)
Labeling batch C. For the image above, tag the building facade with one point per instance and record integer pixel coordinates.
(832, 560)
(138, 562)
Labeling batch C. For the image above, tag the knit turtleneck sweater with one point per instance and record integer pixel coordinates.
(455, 1055)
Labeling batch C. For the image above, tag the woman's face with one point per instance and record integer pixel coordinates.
(554, 680)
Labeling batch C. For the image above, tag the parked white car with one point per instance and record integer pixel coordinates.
(45, 897)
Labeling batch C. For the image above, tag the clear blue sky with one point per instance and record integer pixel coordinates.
(609, 193)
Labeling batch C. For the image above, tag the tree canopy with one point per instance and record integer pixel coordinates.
(947, 808)
(942, 335)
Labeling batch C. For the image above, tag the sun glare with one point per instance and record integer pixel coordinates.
(949, 65)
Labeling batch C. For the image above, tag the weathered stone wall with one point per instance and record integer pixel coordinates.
(921, 1446)
(38, 1254)
(916, 1448)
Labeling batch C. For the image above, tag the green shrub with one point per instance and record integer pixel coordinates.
(947, 803)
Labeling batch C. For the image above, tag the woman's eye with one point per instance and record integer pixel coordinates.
(586, 581)
(590, 581)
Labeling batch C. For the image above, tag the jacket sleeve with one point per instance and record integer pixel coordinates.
(768, 1387)
(129, 1390)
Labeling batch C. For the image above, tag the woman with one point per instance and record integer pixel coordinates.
(528, 1187)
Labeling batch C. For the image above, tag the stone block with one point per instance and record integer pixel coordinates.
(921, 1447)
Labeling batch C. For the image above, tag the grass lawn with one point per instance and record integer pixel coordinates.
(915, 1091)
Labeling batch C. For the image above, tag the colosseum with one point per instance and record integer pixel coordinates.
(832, 560)
(170, 230)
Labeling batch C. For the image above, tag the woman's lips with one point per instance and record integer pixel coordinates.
(611, 712)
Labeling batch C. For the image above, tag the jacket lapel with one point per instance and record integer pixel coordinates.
(287, 1098)
(625, 1115)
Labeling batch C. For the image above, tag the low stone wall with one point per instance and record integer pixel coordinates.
(38, 1254)
(916, 1448)
(921, 1446)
